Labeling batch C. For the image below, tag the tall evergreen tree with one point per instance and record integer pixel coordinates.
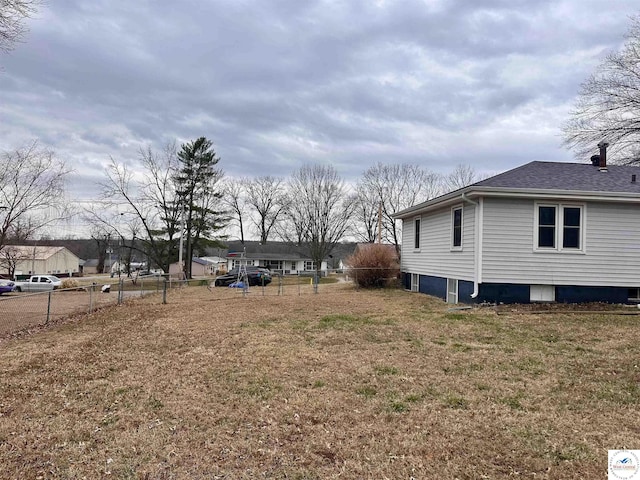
(199, 191)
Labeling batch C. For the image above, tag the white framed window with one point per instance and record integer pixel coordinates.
(415, 282)
(633, 295)
(452, 290)
(559, 227)
(416, 233)
(456, 227)
(309, 265)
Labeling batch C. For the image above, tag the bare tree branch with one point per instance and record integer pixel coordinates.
(13, 14)
(398, 187)
(32, 188)
(608, 106)
(267, 197)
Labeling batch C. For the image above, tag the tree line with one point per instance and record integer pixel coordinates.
(183, 194)
(180, 201)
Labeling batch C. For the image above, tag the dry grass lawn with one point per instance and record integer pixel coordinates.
(348, 383)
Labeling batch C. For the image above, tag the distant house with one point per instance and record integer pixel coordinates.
(282, 257)
(32, 260)
(90, 266)
(545, 231)
(200, 267)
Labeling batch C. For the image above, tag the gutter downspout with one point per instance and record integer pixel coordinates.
(477, 262)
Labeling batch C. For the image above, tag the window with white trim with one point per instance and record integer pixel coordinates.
(415, 282)
(416, 233)
(456, 228)
(559, 227)
(452, 290)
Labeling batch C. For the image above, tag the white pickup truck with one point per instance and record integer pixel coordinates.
(38, 283)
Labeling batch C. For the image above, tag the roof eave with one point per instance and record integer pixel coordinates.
(538, 193)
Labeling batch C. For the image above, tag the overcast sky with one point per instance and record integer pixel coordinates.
(278, 84)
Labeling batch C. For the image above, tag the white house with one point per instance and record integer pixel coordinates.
(282, 257)
(545, 231)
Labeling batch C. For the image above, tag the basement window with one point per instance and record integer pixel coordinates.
(633, 295)
(415, 282)
(452, 290)
(542, 293)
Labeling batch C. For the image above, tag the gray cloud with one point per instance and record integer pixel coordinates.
(276, 84)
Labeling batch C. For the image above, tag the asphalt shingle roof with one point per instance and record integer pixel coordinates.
(567, 176)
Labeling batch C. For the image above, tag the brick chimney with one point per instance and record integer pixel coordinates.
(603, 155)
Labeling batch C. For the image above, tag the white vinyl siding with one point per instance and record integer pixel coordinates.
(611, 246)
(435, 257)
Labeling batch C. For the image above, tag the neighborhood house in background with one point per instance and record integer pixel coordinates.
(545, 231)
(25, 260)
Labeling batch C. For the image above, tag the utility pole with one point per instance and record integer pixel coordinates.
(380, 222)
(180, 262)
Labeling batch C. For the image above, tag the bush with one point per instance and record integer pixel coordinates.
(69, 283)
(373, 265)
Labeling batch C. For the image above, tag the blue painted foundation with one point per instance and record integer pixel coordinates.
(436, 286)
(500, 293)
(591, 294)
(516, 293)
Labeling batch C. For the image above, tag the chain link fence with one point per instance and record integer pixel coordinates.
(21, 311)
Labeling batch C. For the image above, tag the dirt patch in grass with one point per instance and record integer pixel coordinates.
(353, 384)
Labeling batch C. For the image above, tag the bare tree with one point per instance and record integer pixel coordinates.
(10, 257)
(366, 213)
(234, 199)
(608, 106)
(267, 197)
(145, 208)
(319, 210)
(13, 14)
(397, 187)
(460, 177)
(102, 238)
(32, 188)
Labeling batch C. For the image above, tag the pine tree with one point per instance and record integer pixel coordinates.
(198, 191)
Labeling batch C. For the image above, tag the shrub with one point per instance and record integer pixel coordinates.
(373, 265)
(69, 283)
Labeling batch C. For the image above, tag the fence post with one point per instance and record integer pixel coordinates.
(48, 308)
(120, 287)
(164, 293)
(91, 288)
(316, 281)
